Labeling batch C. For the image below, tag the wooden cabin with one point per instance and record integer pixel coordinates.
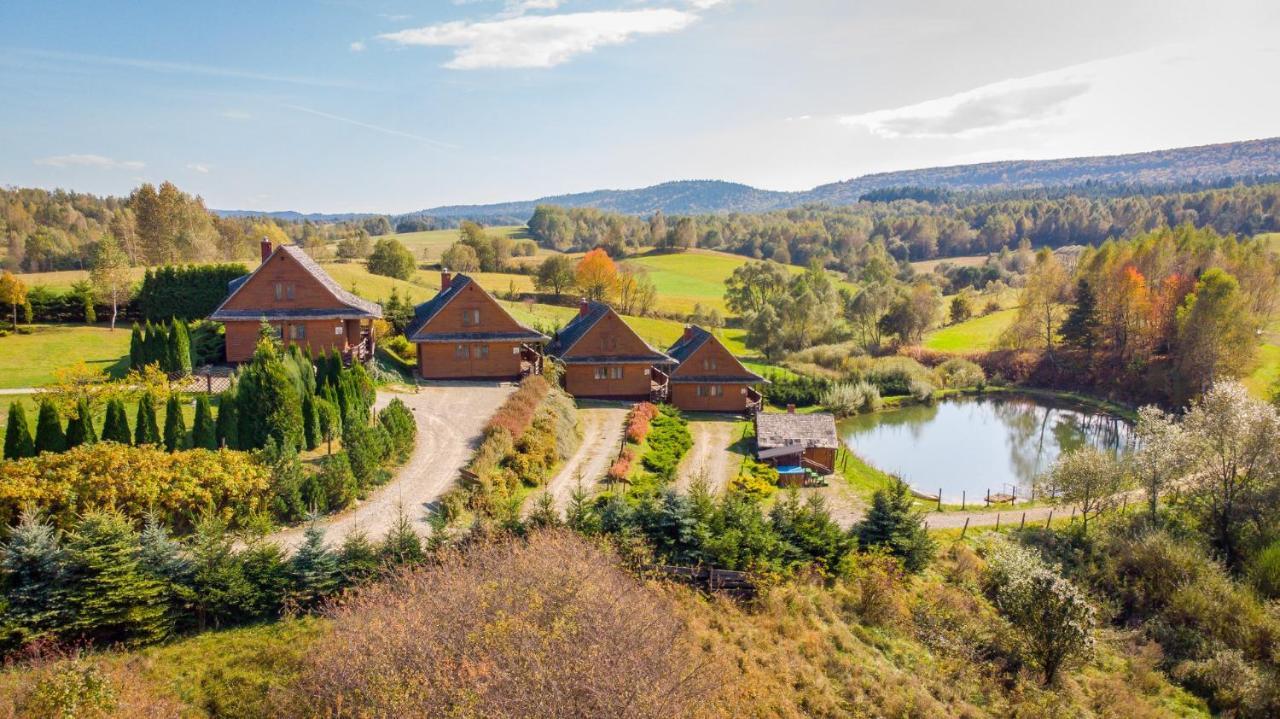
(603, 357)
(709, 378)
(463, 333)
(301, 302)
(796, 442)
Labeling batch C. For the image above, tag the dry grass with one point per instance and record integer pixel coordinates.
(68, 685)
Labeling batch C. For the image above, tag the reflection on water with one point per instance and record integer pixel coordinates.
(976, 444)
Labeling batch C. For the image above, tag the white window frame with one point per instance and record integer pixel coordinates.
(461, 352)
(471, 317)
(615, 372)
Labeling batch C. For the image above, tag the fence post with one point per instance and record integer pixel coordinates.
(997, 521)
(208, 384)
(1023, 523)
(939, 499)
(962, 499)
(988, 496)
(1073, 516)
(966, 527)
(1049, 521)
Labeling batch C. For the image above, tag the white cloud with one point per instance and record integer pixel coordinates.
(357, 46)
(540, 40)
(199, 167)
(1016, 103)
(98, 161)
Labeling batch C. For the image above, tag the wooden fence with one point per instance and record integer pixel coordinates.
(709, 579)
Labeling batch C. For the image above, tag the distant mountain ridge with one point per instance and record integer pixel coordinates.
(1204, 163)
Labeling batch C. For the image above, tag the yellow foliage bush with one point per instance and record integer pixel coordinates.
(178, 487)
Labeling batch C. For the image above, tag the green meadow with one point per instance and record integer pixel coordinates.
(978, 334)
(29, 360)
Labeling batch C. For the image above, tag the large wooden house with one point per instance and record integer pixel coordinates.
(301, 302)
(708, 377)
(603, 357)
(463, 333)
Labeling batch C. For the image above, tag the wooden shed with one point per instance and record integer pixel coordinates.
(803, 441)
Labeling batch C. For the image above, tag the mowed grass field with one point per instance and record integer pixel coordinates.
(30, 360)
(430, 244)
(925, 266)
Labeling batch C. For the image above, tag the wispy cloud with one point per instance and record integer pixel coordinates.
(370, 126)
(98, 161)
(1008, 104)
(236, 114)
(394, 17)
(181, 68)
(199, 167)
(540, 41)
(357, 46)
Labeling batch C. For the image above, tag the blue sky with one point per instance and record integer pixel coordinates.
(391, 106)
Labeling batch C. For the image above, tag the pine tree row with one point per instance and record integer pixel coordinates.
(52, 436)
(166, 345)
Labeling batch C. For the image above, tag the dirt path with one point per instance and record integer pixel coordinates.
(710, 455)
(602, 428)
(450, 419)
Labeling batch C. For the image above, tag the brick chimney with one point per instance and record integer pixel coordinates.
(791, 409)
(688, 332)
(584, 307)
(266, 248)
(445, 278)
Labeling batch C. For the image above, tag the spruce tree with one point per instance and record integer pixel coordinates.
(137, 352)
(310, 422)
(204, 434)
(80, 427)
(893, 524)
(1080, 329)
(161, 558)
(175, 426)
(357, 559)
(402, 544)
(33, 564)
(145, 429)
(266, 569)
(313, 570)
(49, 434)
(115, 426)
(220, 592)
(17, 436)
(228, 428)
(110, 598)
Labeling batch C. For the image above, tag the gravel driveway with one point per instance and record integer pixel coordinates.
(710, 455)
(602, 428)
(450, 420)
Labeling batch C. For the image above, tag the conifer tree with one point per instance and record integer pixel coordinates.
(17, 436)
(310, 422)
(80, 427)
(894, 525)
(1081, 327)
(269, 403)
(115, 426)
(152, 345)
(172, 352)
(50, 436)
(402, 544)
(161, 558)
(182, 348)
(328, 422)
(266, 569)
(110, 598)
(175, 427)
(228, 429)
(137, 351)
(145, 428)
(313, 570)
(357, 559)
(33, 565)
(218, 586)
(204, 434)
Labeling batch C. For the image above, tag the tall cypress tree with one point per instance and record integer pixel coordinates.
(137, 352)
(228, 428)
(145, 429)
(310, 422)
(180, 339)
(110, 598)
(115, 427)
(49, 434)
(204, 435)
(80, 427)
(172, 359)
(151, 345)
(17, 436)
(175, 427)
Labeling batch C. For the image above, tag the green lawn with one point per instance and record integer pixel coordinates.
(975, 335)
(29, 360)
(429, 245)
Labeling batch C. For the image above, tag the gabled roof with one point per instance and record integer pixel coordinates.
(425, 312)
(777, 429)
(572, 333)
(355, 307)
(688, 345)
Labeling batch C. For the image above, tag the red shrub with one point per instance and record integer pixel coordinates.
(516, 414)
(638, 421)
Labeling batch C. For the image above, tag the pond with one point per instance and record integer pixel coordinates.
(996, 443)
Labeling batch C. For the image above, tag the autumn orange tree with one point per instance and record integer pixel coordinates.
(597, 275)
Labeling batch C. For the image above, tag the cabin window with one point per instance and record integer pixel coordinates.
(337, 330)
(284, 290)
(297, 332)
(601, 373)
(709, 363)
(710, 390)
(470, 317)
(461, 352)
(277, 331)
(608, 342)
(615, 373)
(482, 351)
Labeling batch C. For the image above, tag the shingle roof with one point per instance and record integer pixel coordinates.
(777, 429)
(580, 325)
(689, 343)
(423, 313)
(360, 307)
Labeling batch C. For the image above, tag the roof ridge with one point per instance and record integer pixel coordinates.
(312, 268)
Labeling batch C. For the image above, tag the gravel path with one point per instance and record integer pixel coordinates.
(710, 455)
(602, 428)
(450, 420)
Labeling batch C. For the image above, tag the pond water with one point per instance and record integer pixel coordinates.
(996, 443)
